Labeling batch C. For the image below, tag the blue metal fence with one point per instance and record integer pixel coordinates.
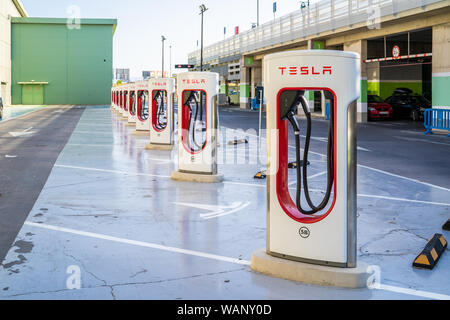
(437, 119)
(328, 111)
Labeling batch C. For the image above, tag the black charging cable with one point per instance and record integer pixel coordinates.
(160, 125)
(301, 100)
(192, 128)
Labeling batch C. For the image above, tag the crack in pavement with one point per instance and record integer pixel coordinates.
(123, 284)
(92, 274)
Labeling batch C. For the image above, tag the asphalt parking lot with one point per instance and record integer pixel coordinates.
(100, 204)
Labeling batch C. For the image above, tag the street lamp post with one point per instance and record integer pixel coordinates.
(163, 39)
(257, 12)
(203, 9)
(170, 62)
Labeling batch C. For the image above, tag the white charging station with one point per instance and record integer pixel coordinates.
(121, 99)
(143, 108)
(125, 110)
(131, 105)
(115, 99)
(112, 98)
(162, 94)
(310, 234)
(197, 127)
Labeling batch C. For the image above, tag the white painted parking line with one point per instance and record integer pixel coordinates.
(92, 132)
(412, 292)
(311, 177)
(126, 173)
(138, 243)
(404, 200)
(98, 145)
(422, 140)
(405, 178)
(407, 291)
(246, 184)
(377, 170)
(217, 210)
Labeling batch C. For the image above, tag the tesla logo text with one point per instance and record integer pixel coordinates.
(159, 84)
(306, 71)
(194, 81)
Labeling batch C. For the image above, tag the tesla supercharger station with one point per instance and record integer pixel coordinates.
(125, 110)
(132, 105)
(197, 127)
(161, 92)
(121, 95)
(143, 108)
(312, 229)
(112, 98)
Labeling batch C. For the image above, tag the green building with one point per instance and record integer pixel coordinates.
(54, 62)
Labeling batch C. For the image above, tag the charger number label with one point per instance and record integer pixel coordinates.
(304, 233)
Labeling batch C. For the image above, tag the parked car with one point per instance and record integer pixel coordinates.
(408, 105)
(378, 108)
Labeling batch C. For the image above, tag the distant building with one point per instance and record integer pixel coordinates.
(146, 75)
(122, 74)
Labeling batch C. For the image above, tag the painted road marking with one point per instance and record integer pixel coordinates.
(377, 170)
(99, 145)
(419, 293)
(244, 184)
(138, 243)
(422, 140)
(25, 132)
(412, 292)
(310, 177)
(217, 210)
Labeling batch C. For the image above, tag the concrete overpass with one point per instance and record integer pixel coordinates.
(420, 28)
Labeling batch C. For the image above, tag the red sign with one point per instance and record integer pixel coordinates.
(396, 52)
(236, 30)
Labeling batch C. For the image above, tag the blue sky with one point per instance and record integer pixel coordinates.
(137, 42)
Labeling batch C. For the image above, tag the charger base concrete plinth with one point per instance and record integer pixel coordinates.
(353, 278)
(140, 133)
(193, 177)
(130, 124)
(124, 118)
(161, 147)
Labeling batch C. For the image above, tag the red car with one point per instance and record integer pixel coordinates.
(378, 108)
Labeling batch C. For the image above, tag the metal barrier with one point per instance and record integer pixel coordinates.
(328, 111)
(437, 119)
(322, 16)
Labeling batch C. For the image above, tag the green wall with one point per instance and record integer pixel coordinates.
(441, 87)
(386, 89)
(77, 64)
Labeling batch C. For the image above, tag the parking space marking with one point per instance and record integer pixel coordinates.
(407, 291)
(246, 184)
(98, 145)
(373, 169)
(217, 210)
(112, 171)
(412, 292)
(138, 243)
(405, 178)
(422, 140)
(404, 200)
(310, 177)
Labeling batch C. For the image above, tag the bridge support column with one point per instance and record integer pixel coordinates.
(245, 87)
(441, 66)
(360, 46)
